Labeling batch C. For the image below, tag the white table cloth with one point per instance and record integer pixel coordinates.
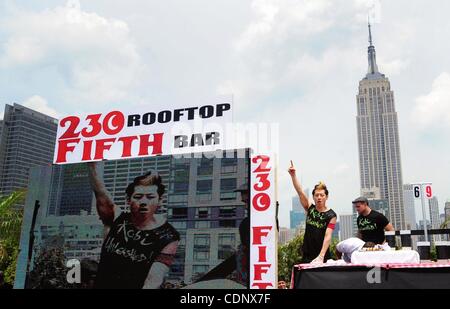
(385, 257)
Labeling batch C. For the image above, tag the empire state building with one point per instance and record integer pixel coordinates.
(380, 165)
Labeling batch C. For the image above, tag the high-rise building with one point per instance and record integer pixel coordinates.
(336, 231)
(346, 227)
(410, 204)
(71, 192)
(27, 139)
(296, 205)
(434, 212)
(76, 227)
(447, 210)
(297, 219)
(378, 139)
(285, 235)
(206, 211)
(297, 216)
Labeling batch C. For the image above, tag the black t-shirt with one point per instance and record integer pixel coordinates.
(372, 227)
(128, 253)
(316, 226)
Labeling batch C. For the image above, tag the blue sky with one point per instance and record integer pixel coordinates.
(293, 62)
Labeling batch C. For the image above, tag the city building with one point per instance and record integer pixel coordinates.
(434, 212)
(206, 211)
(70, 191)
(27, 139)
(447, 210)
(410, 204)
(378, 140)
(297, 215)
(434, 216)
(346, 227)
(285, 235)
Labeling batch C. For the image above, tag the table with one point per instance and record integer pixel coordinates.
(386, 257)
(371, 276)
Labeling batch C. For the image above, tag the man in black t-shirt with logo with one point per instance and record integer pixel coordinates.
(140, 245)
(371, 223)
(320, 222)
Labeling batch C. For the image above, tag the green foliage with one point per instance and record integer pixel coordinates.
(10, 271)
(433, 253)
(290, 255)
(446, 223)
(49, 270)
(11, 218)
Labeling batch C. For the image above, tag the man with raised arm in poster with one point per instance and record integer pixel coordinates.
(139, 246)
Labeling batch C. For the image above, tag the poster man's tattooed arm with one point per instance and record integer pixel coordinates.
(161, 267)
(105, 205)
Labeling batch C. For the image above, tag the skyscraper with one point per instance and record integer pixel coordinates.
(27, 139)
(447, 210)
(434, 212)
(206, 211)
(346, 225)
(70, 191)
(378, 140)
(285, 235)
(410, 204)
(297, 216)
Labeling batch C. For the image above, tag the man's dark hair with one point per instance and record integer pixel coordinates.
(152, 178)
(369, 244)
(320, 186)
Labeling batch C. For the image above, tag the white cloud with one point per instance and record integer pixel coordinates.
(39, 104)
(275, 19)
(433, 109)
(95, 56)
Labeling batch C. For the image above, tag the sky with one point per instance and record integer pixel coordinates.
(292, 62)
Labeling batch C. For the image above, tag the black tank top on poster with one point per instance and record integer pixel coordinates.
(316, 226)
(128, 253)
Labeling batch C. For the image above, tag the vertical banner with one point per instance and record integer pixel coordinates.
(263, 231)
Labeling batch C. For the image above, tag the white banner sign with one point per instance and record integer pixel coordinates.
(423, 188)
(263, 231)
(122, 135)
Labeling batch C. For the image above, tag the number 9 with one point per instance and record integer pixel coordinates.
(429, 191)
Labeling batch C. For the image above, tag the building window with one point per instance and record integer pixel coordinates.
(229, 165)
(227, 223)
(204, 190)
(202, 213)
(201, 240)
(205, 167)
(226, 246)
(179, 213)
(201, 255)
(227, 187)
(204, 186)
(179, 224)
(199, 269)
(181, 181)
(202, 224)
(180, 198)
(227, 212)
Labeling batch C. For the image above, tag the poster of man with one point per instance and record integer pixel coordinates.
(154, 222)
